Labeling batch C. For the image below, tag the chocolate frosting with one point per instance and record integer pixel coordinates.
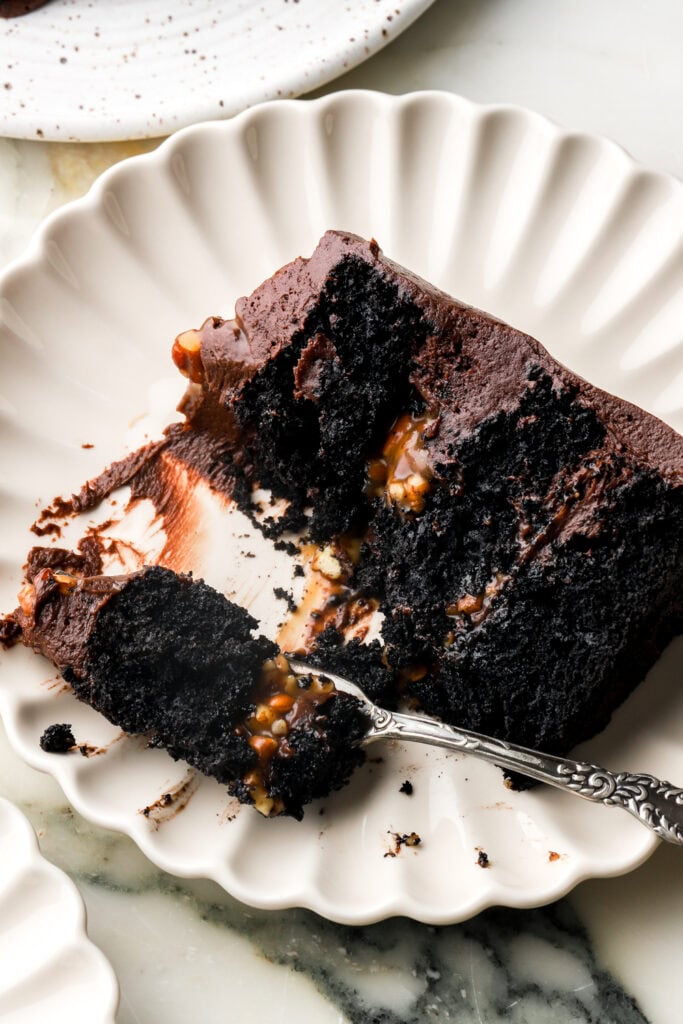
(470, 367)
(58, 622)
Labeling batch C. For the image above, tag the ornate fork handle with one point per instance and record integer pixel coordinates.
(657, 805)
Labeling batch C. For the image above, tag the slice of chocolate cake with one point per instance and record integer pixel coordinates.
(521, 529)
(168, 656)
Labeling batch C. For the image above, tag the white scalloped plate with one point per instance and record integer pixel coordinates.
(561, 234)
(49, 969)
(82, 71)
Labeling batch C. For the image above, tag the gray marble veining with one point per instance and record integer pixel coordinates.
(524, 967)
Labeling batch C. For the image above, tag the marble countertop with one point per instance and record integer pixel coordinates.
(608, 953)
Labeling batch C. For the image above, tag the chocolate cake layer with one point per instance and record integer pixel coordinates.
(522, 530)
(169, 657)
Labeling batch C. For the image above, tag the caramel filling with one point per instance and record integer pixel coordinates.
(281, 699)
(27, 599)
(402, 473)
(476, 606)
(328, 599)
(29, 594)
(186, 353)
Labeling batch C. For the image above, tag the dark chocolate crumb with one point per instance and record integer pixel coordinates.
(57, 739)
(286, 545)
(409, 839)
(407, 788)
(286, 596)
(403, 839)
(483, 860)
(299, 570)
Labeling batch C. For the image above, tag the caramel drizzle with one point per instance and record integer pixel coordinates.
(281, 699)
(328, 599)
(186, 354)
(402, 473)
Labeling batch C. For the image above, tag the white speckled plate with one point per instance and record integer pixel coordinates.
(128, 69)
(49, 969)
(561, 234)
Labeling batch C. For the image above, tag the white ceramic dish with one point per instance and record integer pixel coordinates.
(77, 70)
(49, 969)
(561, 234)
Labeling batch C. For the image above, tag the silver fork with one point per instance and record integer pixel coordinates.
(657, 805)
